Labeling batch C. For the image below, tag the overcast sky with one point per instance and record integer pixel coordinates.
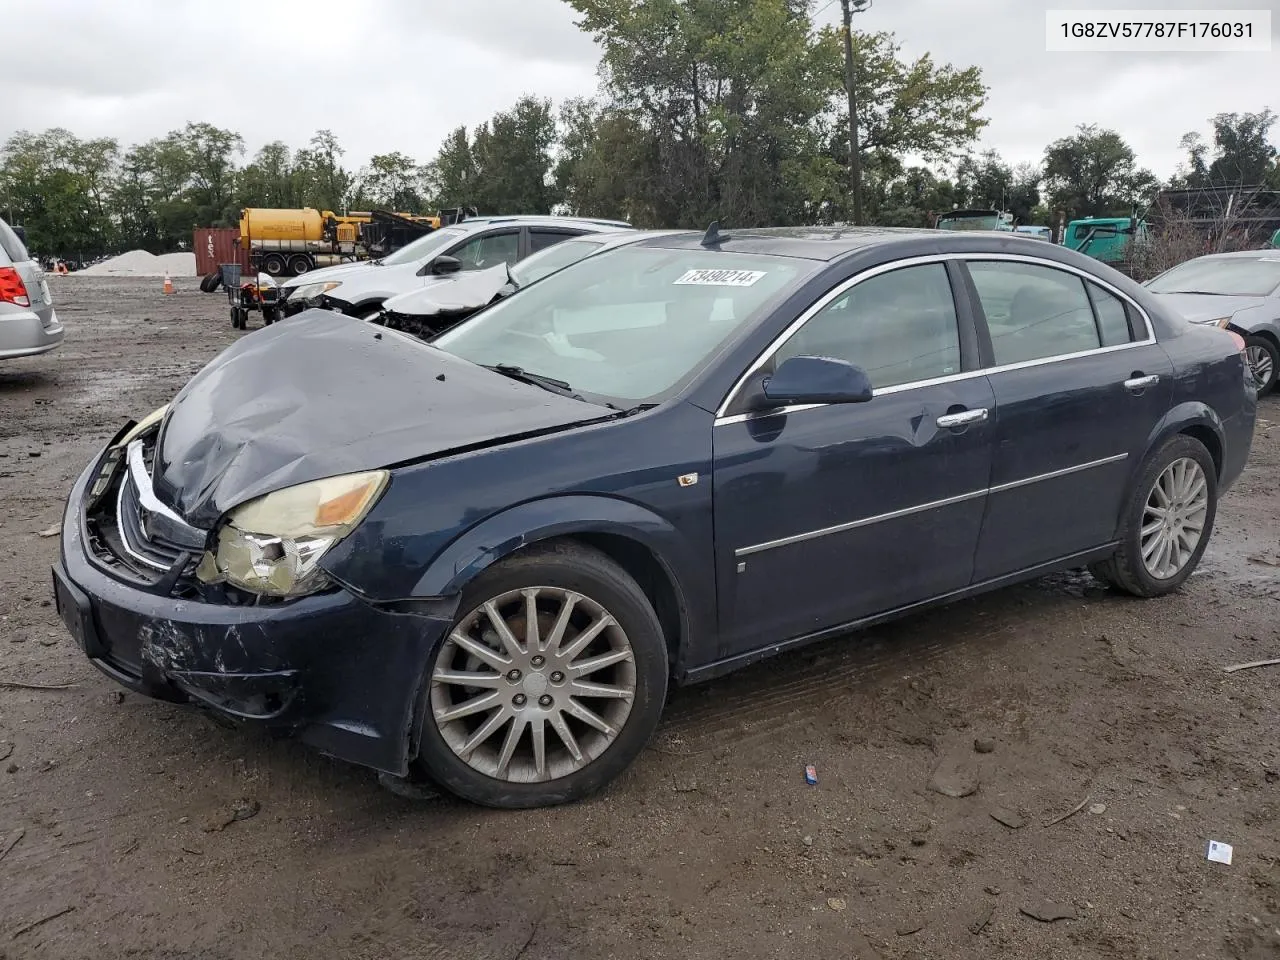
(398, 74)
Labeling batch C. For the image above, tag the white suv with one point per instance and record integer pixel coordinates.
(28, 323)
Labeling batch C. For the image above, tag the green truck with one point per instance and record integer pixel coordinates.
(1104, 238)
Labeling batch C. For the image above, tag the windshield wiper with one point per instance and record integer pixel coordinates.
(536, 379)
(1207, 293)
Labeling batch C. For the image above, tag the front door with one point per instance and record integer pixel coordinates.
(830, 513)
(1080, 385)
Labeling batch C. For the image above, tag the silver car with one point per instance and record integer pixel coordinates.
(28, 323)
(1236, 291)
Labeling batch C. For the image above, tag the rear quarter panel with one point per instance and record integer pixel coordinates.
(1212, 390)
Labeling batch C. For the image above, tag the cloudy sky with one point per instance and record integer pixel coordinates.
(397, 74)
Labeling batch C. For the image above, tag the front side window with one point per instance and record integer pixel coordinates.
(628, 325)
(489, 250)
(1034, 312)
(899, 327)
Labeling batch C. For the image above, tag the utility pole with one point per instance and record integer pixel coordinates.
(847, 9)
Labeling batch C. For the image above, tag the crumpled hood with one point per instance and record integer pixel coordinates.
(1205, 308)
(296, 402)
(455, 292)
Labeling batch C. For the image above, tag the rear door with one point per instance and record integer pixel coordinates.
(1080, 384)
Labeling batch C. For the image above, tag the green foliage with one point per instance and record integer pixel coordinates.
(730, 110)
(1094, 173)
(1241, 154)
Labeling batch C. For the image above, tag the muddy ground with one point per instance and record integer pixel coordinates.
(713, 845)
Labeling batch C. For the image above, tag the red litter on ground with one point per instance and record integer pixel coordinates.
(811, 774)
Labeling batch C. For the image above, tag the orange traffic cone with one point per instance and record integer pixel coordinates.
(168, 284)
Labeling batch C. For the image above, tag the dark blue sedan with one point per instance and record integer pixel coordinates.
(481, 561)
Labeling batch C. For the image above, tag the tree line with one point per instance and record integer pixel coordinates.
(733, 110)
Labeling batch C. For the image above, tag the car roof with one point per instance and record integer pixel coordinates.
(540, 220)
(607, 240)
(830, 243)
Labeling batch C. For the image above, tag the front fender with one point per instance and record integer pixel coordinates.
(535, 521)
(502, 534)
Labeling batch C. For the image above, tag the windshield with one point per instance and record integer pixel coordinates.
(424, 247)
(629, 324)
(548, 261)
(1222, 276)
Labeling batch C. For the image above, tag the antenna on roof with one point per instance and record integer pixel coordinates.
(714, 237)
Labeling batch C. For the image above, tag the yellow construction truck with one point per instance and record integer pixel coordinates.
(288, 243)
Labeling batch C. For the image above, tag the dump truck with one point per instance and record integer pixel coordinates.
(288, 243)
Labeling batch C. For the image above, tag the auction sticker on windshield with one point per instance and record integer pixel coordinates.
(721, 278)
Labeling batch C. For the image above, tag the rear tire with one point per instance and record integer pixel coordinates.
(562, 718)
(299, 265)
(1174, 503)
(273, 265)
(1264, 362)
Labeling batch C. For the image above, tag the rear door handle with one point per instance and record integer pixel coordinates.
(1138, 384)
(963, 418)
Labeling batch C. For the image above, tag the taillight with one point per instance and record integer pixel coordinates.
(1239, 340)
(12, 289)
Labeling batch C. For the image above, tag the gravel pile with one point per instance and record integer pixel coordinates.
(140, 263)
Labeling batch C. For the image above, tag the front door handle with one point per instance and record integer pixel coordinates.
(963, 418)
(1138, 384)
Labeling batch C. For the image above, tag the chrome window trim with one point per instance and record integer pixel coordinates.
(819, 305)
(922, 507)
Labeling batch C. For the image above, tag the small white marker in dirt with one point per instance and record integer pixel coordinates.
(1219, 852)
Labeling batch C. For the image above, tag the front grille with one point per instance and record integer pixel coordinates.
(142, 544)
(139, 543)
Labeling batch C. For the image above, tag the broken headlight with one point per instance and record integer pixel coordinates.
(272, 546)
(115, 456)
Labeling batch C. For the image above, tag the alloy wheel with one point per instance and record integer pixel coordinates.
(534, 684)
(1260, 363)
(1174, 517)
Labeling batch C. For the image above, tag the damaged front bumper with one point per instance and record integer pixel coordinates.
(341, 673)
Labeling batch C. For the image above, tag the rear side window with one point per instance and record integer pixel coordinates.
(541, 239)
(1034, 312)
(13, 248)
(1113, 318)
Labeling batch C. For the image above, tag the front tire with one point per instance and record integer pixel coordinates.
(1263, 358)
(518, 716)
(1167, 521)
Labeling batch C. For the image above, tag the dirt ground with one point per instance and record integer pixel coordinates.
(713, 845)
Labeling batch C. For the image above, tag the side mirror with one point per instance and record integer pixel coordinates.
(441, 266)
(818, 380)
(22, 234)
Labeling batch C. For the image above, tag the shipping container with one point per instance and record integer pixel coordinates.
(218, 245)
